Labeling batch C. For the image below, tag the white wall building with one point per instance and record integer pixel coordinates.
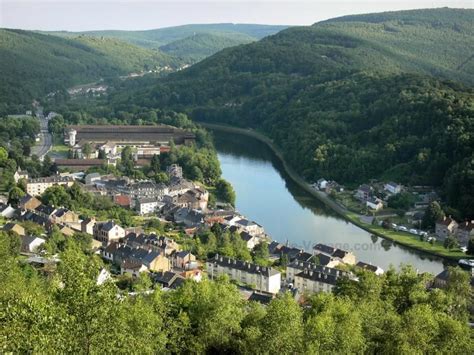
(147, 205)
(264, 279)
(36, 187)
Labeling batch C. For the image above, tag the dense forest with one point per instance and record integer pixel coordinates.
(202, 45)
(349, 99)
(156, 38)
(33, 65)
(65, 309)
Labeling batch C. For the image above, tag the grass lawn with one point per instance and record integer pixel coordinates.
(409, 240)
(59, 151)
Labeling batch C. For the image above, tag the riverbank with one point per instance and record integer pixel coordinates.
(400, 238)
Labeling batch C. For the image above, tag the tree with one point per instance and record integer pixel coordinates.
(87, 150)
(282, 327)
(432, 214)
(56, 196)
(15, 195)
(450, 242)
(3, 156)
(225, 192)
(470, 246)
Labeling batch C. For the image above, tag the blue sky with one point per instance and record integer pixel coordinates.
(84, 15)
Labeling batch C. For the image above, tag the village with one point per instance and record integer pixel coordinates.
(401, 209)
(185, 210)
(181, 205)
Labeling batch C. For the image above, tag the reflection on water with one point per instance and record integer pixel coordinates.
(267, 195)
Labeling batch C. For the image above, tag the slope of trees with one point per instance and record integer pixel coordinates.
(33, 65)
(69, 312)
(351, 99)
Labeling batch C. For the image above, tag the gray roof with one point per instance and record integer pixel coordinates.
(243, 265)
(305, 265)
(318, 276)
(323, 248)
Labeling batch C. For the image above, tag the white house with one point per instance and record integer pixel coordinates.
(322, 183)
(264, 279)
(373, 268)
(7, 211)
(30, 244)
(147, 205)
(249, 227)
(393, 187)
(374, 203)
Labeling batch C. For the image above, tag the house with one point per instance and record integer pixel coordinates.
(189, 217)
(123, 201)
(36, 187)
(120, 253)
(132, 268)
(250, 240)
(66, 231)
(63, 215)
(108, 232)
(87, 225)
(147, 205)
(7, 211)
(19, 175)
(313, 281)
(31, 216)
(30, 244)
(91, 178)
(28, 202)
(322, 183)
(369, 267)
(196, 198)
(465, 232)
(295, 267)
(162, 244)
(445, 227)
(183, 259)
(346, 257)
(14, 227)
(45, 211)
(363, 192)
(265, 279)
(392, 187)
(374, 203)
(323, 251)
(167, 279)
(249, 227)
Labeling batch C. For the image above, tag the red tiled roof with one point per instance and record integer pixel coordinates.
(122, 200)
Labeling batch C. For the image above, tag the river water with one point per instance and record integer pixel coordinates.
(267, 195)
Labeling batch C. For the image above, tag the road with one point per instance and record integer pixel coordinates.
(46, 140)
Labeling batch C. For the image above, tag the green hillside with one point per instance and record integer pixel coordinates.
(350, 99)
(159, 37)
(202, 45)
(33, 64)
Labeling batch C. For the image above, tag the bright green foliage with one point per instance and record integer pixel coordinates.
(225, 192)
(68, 312)
(34, 64)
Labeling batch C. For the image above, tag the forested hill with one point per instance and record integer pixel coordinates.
(157, 38)
(202, 45)
(33, 64)
(355, 98)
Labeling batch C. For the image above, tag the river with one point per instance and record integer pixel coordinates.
(267, 195)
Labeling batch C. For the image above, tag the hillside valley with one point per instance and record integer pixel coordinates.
(373, 96)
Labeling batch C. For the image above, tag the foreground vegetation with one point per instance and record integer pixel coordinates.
(65, 310)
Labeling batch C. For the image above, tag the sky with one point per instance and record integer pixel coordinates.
(74, 15)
